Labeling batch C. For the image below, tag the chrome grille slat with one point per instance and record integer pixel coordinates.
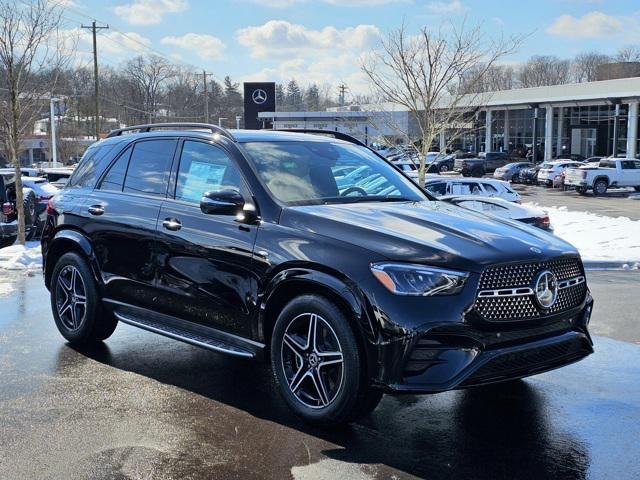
(505, 292)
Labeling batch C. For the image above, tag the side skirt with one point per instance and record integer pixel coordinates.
(185, 331)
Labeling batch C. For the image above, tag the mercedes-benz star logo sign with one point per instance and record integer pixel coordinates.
(259, 96)
(546, 289)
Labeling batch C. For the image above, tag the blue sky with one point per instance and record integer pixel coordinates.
(323, 40)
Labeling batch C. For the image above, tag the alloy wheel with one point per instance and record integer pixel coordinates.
(312, 360)
(71, 299)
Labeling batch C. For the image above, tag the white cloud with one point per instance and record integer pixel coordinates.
(444, 8)
(590, 25)
(149, 12)
(279, 38)
(205, 46)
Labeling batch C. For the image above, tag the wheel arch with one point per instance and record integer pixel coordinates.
(65, 241)
(294, 282)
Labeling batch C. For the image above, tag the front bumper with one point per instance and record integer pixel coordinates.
(448, 357)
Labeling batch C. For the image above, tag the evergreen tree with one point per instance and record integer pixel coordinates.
(281, 98)
(294, 96)
(312, 98)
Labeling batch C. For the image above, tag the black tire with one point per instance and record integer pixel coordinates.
(30, 216)
(347, 394)
(79, 323)
(477, 172)
(444, 168)
(637, 189)
(7, 241)
(515, 178)
(581, 190)
(600, 186)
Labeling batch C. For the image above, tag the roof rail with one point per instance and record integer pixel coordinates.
(153, 126)
(329, 133)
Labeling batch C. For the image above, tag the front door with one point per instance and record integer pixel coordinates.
(206, 272)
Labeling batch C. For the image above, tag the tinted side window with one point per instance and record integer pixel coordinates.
(490, 188)
(90, 167)
(436, 189)
(204, 168)
(149, 167)
(114, 179)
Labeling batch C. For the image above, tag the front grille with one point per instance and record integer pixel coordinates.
(513, 287)
(530, 361)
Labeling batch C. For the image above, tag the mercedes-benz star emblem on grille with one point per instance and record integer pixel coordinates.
(259, 96)
(546, 289)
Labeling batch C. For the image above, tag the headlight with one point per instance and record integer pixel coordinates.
(418, 280)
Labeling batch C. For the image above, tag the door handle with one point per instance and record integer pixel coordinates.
(96, 209)
(172, 224)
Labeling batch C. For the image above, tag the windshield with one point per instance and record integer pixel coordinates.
(302, 173)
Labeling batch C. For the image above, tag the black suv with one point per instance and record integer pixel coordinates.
(477, 167)
(313, 252)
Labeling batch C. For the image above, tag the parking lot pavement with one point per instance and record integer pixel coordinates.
(616, 203)
(142, 406)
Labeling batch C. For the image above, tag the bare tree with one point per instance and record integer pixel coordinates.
(423, 74)
(543, 70)
(30, 44)
(149, 76)
(629, 53)
(495, 78)
(585, 66)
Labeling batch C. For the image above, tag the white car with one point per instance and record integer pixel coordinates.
(486, 187)
(501, 208)
(550, 170)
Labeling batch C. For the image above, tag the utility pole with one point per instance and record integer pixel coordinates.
(206, 96)
(342, 89)
(93, 28)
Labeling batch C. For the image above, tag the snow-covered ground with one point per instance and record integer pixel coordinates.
(598, 238)
(18, 257)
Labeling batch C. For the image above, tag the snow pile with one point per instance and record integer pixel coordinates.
(598, 238)
(19, 257)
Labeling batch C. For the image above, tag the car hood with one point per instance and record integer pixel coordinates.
(435, 233)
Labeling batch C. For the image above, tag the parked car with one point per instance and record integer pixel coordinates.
(442, 186)
(26, 172)
(55, 174)
(576, 157)
(242, 242)
(549, 170)
(484, 163)
(503, 209)
(9, 216)
(530, 175)
(43, 191)
(439, 163)
(511, 171)
(593, 159)
(609, 173)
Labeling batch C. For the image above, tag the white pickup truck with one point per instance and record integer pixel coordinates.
(609, 173)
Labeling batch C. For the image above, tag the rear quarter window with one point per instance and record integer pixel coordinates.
(91, 165)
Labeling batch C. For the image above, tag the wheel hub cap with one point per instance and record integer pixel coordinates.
(312, 360)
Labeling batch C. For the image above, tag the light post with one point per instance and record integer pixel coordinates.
(238, 118)
(54, 153)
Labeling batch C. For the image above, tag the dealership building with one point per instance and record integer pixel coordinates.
(590, 119)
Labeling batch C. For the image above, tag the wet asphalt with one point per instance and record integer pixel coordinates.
(141, 406)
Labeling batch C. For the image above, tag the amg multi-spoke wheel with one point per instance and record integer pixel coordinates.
(77, 309)
(312, 360)
(318, 364)
(71, 299)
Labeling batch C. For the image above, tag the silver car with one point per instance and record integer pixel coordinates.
(511, 171)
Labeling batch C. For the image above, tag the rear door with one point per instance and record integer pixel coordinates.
(630, 173)
(206, 274)
(122, 213)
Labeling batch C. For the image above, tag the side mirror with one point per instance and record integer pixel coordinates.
(222, 202)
